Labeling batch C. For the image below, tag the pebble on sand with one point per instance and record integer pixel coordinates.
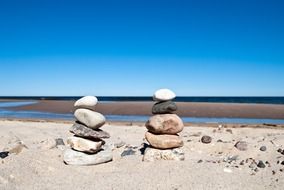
(261, 164)
(206, 139)
(241, 145)
(262, 148)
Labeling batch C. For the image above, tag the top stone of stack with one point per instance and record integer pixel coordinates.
(164, 95)
(87, 102)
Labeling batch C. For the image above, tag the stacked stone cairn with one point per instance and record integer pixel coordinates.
(87, 146)
(163, 129)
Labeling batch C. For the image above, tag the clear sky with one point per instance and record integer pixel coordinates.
(133, 47)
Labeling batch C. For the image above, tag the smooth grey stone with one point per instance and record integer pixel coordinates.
(88, 102)
(83, 131)
(164, 107)
(91, 119)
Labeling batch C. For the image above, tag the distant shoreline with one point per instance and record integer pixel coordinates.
(186, 109)
(193, 99)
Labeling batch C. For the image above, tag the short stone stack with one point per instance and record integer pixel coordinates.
(87, 146)
(163, 129)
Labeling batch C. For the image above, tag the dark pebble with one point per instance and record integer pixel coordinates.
(282, 152)
(199, 161)
(279, 150)
(128, 152)
(281, 170)
(241, 145)
(261, 164)
(59, 142)
(242, 162)
(282, 163)
(219, 141)
(273, 172)
(206, 139)
(263, 148)
(4, 154)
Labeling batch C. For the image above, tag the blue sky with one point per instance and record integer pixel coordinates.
(196, 48)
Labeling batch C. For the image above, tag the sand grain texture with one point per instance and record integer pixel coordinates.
(35, 168)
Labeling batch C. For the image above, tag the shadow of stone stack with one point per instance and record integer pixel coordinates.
(87, 146)
(163, 129)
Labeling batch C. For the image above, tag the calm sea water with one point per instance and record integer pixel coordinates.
(4, 113)
(260, 100)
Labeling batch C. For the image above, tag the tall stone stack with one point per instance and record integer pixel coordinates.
(87, 146)
(163, 129)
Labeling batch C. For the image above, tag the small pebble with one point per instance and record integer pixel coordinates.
(282, 163)
(199, 161)
(273, 172)
(263, 148)
(242, 162)
(206, 139)
(279, 150)
(261, 164)
(241, 145)
(4, 154)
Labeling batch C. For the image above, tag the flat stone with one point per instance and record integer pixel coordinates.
(165, 124)
(83, 131)
(91, 119)
(241, 145)
(153, 154)
(164, 95)
(88, 102)
(128, 152)
(164, 107)
(164, 141)
(72, 157)
(4, 154)
(84, 145)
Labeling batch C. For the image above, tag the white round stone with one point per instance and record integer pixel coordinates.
(91, 119)
(87, 102)
(164, 95)
(84, 145)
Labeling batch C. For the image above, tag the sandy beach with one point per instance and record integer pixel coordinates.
(218, 165)
(185, 109)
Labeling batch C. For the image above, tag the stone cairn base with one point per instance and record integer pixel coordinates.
(87, 146)
(163, 129)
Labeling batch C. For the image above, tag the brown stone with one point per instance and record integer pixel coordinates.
(165, 124)
(164, 141)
